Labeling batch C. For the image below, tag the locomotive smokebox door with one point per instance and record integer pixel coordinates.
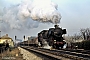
(64, 31)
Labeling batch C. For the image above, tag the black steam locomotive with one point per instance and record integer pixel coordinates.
(53, 37)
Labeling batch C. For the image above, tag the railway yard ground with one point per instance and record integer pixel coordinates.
(34, 53)
(14, 54)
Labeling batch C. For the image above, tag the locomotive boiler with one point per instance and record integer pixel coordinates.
(53, 37)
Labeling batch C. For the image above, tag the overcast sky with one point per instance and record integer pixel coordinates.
(75, 15)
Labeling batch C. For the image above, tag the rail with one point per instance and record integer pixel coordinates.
(61, 54)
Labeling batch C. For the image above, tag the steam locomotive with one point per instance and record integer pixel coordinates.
(53, 37)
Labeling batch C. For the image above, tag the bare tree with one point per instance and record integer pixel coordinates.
(76, 36)
(85, 33)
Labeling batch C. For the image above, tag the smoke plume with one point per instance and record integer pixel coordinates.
(28, 14)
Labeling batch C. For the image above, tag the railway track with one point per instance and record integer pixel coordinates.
(61, 54)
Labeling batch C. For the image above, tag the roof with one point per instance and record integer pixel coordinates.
(5, 37)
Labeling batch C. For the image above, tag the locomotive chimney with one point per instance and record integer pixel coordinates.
(56, 26)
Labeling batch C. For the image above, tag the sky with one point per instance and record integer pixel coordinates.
(74, 14)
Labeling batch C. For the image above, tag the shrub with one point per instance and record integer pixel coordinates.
(83, 45)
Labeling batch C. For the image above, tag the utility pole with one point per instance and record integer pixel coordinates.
(15, 40)
(28, 40)
(24, 39)
(0, 34)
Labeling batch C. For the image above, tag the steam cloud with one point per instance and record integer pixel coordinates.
(28, 13)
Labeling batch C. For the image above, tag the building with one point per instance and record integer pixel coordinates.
(7, 39)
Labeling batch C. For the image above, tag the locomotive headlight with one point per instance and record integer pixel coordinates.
(54, 41)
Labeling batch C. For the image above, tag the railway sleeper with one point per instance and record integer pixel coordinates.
(80, 58)
(86, 59)
(75, 57)
(70, 56)
(64, 55)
